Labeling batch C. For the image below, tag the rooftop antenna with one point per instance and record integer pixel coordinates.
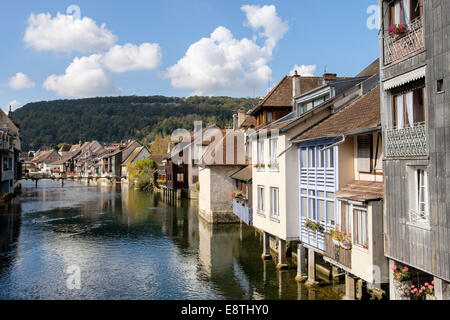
(325, 69)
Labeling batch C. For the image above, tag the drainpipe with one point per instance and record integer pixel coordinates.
(335, 144)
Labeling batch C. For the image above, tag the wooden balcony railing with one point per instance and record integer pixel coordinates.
(338, 254)
(409, 141)
(243, 211)
(397, 47)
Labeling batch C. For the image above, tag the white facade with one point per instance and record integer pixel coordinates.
(285, 178)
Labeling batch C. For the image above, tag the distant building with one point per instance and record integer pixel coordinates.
(10, 146)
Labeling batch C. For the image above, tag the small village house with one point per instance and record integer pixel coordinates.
(341, 192)
(223, 154)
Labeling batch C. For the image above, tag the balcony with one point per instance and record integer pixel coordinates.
(410, 141)
(242, 211)
(397, 47)
(338, 254)
(315, 238)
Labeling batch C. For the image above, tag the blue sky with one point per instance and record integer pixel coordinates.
(312, 33)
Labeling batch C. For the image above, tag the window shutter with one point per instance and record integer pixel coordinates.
(364, 143)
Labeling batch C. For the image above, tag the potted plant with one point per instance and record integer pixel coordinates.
(402, 282)
(397, 30)
(314, 226)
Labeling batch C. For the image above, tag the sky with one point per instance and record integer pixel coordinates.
(74, 49)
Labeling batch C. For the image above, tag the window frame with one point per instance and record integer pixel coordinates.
(360, 228)
(275, 203)
(261, 203)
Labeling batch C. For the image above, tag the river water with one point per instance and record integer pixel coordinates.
(118, 243)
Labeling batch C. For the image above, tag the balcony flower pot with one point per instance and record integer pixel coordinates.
(336, 242)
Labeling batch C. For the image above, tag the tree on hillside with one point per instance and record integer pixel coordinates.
(160, 145)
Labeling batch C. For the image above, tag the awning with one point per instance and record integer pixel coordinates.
(405, 78)
(245, 174)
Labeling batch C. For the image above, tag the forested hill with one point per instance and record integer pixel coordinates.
(112, 119)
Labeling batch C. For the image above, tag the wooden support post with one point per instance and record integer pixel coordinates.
(311, 269)
(266, 247)
(282, 261)
(302, 270)
(349, 287)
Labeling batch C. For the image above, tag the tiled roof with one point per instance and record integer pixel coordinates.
(157, 158)
(250, 121)
(133, 155)
(362, 190)
(372, 69)
(363, 113)
(279, 96)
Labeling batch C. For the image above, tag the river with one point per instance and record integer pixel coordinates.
(126, 244)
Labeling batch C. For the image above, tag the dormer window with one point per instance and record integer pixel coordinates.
(305, 106)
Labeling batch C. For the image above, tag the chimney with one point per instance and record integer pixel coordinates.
(329, 76)
(235, 121)
(241, 117)
(296, 90)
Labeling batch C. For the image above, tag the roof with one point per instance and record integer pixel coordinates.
(250, 121)
(45, 156)
(113, 152)
(133, 155)
(7, 124)
(244, 174)
(279, 96)
(364, 113)
(65, 148)
(157, 158)
(360, 190)
(372, 69)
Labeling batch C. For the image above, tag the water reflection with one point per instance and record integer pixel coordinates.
(131, 245)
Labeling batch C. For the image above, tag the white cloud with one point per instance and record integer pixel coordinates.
(266, 18)
(223, 64)
(66, 33)
(85, 77)
(130, 57)
(91, 76)
(304, 70)
(20, 81)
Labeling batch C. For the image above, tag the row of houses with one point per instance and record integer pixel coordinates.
(351, 171)
(87, 160)
(10, 147)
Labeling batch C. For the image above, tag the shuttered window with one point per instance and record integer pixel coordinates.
(364, 153)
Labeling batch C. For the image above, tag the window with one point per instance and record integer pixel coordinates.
(261, 199)
(345, 217)
(312, 157)
(274, 213)
(418, 199)
(260, 153)
(306, 106)
(440, 86)
(360, 226)
(408, 108)
(365, 153)
(180, 177)
(405, 11)
(269, 117)
(273, 149)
